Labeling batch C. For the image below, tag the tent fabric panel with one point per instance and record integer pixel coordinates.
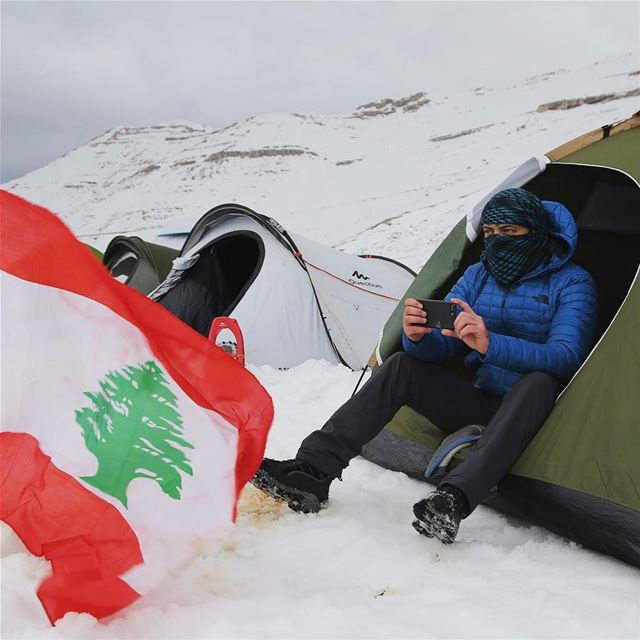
(118, 246)
(279, 316)
(592, 138)
(354, 320)
(143, 277)
(335, 311)
(413, 426)
(597, 523)
(364, 275)
(225, 226)
(162, 258)
(435, 274)
(224, 213)
(619, 152)
(590, 442)
(356, 296)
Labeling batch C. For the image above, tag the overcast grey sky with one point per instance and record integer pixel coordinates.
(71, 70)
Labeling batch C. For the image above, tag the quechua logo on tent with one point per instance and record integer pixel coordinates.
(362, 281)
(135, 431)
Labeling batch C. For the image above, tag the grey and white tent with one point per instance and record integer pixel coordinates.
(294, 298)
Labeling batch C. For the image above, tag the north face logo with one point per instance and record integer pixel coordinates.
(541, 298)
(360, 276)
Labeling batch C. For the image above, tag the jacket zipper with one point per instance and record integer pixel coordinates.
(504, 302)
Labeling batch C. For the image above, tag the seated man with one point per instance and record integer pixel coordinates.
(528, 316)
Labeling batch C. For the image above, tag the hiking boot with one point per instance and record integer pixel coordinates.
(439, 514)
(303, 487)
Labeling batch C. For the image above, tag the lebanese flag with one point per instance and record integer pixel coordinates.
(126, 436)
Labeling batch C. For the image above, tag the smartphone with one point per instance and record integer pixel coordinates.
(440, 314)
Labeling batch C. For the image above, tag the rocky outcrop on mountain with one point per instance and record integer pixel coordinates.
(572, 103)
(459, 134)
(542, 77)
(268, 152)
(174, 132)
(387, 106)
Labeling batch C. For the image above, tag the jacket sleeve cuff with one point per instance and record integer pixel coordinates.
(495, 352)
(412, 348)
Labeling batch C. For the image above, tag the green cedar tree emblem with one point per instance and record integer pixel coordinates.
(135, 431)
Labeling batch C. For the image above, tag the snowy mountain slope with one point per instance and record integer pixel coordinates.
(358, 180)
(392, 178)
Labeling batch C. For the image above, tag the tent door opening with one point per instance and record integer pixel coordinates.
(218, 280)
(605, 203)
(122, 268)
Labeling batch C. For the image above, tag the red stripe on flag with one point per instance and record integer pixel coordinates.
(87, 541)
(36, 246)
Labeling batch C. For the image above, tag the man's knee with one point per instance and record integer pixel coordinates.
(395, 365)
(403, 368)
(540, 380)
(402, 361)
(537, 384)
(397, 359)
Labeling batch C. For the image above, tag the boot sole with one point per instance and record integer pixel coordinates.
(423, 529)
(297, 500)
(432, 524)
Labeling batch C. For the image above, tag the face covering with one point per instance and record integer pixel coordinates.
(508, 258)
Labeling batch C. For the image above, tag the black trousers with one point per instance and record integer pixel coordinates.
(449, 402)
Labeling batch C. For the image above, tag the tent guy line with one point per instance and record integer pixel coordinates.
(355, 286)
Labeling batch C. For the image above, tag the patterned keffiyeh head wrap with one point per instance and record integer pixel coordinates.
(508, 258)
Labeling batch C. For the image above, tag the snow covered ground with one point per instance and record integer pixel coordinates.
(388, 184)
(357, 569)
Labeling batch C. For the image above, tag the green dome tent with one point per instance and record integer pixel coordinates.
(580, 476)
(139, 264)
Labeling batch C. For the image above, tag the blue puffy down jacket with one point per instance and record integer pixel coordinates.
(544, 322)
